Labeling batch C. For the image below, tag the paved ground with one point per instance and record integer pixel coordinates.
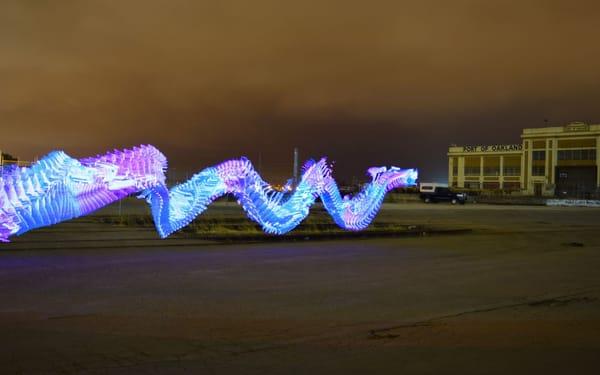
(521, 294)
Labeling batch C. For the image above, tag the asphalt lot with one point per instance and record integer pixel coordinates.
(520, 294)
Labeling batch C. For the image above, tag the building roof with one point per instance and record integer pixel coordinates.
(570, 129)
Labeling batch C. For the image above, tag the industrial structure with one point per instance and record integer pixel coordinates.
(549, 161)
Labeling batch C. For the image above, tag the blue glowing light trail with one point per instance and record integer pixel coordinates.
(59, 188)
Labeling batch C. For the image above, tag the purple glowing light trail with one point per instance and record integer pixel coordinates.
(59, 188)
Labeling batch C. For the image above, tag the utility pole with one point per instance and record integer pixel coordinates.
(259, 162)
(295, 167)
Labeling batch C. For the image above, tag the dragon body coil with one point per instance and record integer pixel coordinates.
(59, 187)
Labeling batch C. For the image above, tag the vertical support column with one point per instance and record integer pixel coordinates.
(481, 172)
(523, 153)
(554, 159)
(547, 170)
(523, 166)
(547, 161)
(598, 161)
(529, 167)
(450, 169)
(501, 174)
(295, 167)
(461, 171)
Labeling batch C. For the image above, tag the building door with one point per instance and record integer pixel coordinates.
(537, 189)
(575, 182)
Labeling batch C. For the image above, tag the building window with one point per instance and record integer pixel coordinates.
(581, 154)
(472, 171)
(538, 170)
(472, 185)
(491, 186)
(538, 155)
(512, 171)
(455, 170)
(491, 171)
(511, 186)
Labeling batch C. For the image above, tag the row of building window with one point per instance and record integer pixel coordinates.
(492, 185)
(584, 154)
(490, 171)
(536, 170)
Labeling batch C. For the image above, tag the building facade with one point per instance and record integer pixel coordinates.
(551, 161)
(6, 160)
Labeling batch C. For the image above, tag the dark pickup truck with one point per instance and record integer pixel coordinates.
(443, 194)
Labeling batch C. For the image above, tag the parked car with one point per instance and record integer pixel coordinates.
(429, 187)
(444, 194)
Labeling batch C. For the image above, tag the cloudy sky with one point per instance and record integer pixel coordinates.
(362, 82)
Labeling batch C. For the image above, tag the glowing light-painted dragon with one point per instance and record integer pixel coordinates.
(59, 188)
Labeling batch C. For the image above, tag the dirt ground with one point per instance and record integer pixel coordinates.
(520, 294)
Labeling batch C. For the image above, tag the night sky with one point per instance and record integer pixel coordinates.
(362, 82)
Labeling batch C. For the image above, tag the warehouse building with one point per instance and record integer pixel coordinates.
(552, 161)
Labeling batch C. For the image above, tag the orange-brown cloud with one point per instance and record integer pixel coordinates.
(209, 80)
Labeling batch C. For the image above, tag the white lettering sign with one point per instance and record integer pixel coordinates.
(493, 148)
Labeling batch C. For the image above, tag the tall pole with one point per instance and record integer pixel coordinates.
(259, 162)
(295, 166)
